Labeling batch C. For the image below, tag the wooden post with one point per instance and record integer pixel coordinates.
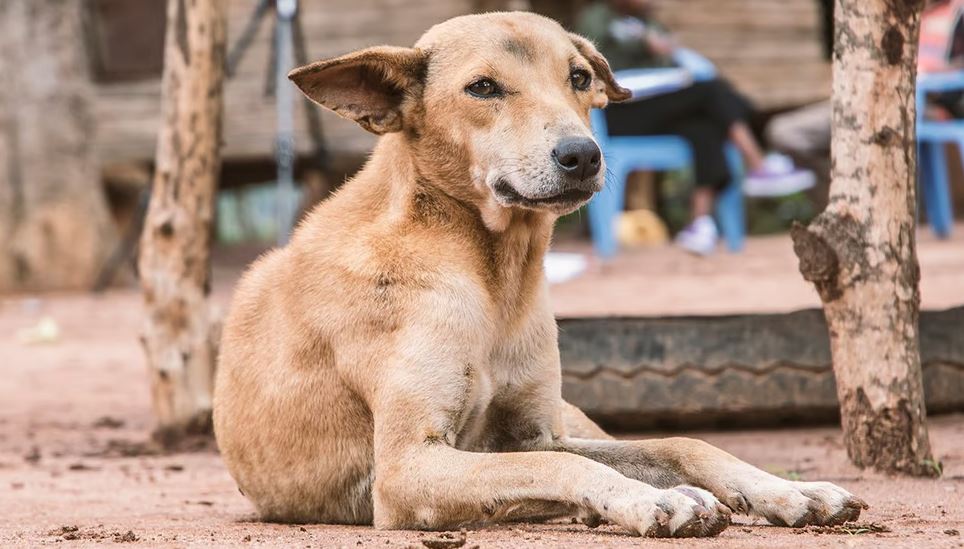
(860, 253)
(55, 227)
(179, 336)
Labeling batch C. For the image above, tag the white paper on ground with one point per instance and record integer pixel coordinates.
(561, 267)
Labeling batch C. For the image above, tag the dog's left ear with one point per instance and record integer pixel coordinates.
(369, 86)
(607, 89)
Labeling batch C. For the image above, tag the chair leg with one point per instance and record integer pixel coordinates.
(729, 204)
(604, 209)
(923, 172)
(935, 186)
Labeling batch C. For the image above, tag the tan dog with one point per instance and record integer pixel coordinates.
(396, 363)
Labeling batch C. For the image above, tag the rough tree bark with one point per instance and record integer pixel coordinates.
(55, 227)
(180, 335)
(860, 253)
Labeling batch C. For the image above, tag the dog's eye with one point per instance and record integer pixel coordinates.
(484, 88)
(580, 79)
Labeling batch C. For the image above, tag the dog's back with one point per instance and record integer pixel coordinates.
(272, 399)
(295, 437)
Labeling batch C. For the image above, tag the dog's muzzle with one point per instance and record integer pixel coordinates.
(565, 197)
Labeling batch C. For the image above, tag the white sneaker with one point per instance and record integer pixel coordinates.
(700, 237)
(778, 177)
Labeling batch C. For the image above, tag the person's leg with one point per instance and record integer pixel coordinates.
(746, 143)
(721, 108)
(710, 170)
(731, 110)
(683, 113)
(701, 202)
(714, 100)
(711, 174)
(804, 135)
(655, 115)
(804, 131)
(768, 174)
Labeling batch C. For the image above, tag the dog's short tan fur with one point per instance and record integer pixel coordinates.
(396, 363)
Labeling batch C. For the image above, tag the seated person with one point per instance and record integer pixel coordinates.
(805, 132)
(942, 50)
(706, 114)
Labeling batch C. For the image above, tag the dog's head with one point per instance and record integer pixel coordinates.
(496, 106)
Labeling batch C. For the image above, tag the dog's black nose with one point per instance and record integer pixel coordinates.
(579, 157)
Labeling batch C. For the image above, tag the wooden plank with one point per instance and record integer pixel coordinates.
(129, 114)
(769, 49)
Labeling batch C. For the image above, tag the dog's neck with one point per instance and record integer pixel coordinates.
(510, 243)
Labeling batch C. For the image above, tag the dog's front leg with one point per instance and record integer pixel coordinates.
(422, 481)
(741, 486)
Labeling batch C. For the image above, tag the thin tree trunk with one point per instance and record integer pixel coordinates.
(860, 253)
(55, 227)
(179, 336)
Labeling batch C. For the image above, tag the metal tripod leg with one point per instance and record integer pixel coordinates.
(284, 98)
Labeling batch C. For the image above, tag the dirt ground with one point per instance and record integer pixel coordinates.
(75, 469)
(764, 278)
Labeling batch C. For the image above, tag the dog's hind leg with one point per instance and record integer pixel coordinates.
(578, 425)
(741, 486)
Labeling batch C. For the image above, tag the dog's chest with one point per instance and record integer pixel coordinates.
(496, 397)
(478, 398)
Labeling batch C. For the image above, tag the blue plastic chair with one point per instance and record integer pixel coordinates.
(931, 138)
(626, 154)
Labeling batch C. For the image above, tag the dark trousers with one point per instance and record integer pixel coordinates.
(702, 114)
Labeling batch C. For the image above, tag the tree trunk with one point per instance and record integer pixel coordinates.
(179, 337)
(55, 227)
(860, 252)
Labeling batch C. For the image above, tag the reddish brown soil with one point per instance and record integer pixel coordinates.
(74, 468)
(764, 278)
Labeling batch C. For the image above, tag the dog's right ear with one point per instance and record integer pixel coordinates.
(369, 86)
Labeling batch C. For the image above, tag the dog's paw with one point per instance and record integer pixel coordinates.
(680, 512)
(797, 504)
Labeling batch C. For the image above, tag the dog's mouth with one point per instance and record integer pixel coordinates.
(570, 197)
